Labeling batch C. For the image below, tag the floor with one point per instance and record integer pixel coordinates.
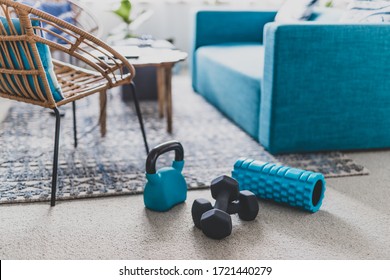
(4, 105)
(353, 223)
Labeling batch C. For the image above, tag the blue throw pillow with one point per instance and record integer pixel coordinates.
(61, 10)
(24, 49)
(295, 10)
(367, 11)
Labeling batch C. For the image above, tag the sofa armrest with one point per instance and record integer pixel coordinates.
(223, 26)
(324, 79)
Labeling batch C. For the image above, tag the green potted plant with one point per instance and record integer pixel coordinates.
(124, 12)
(329, 4)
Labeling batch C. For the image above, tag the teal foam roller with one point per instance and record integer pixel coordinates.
(296, 187)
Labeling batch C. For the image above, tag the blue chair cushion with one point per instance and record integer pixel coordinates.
(44, 54)
(229, 77)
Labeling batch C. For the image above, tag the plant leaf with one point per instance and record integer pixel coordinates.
(124, 11)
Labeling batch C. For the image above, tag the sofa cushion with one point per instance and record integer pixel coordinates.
(367, 11)
(295, 10)
(229, 77)
(327, 15)
(244, 58)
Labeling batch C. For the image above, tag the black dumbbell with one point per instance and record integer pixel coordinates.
(247, 206)
(216, 222)
(201, 205)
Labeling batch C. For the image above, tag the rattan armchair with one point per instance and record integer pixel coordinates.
(26, 72)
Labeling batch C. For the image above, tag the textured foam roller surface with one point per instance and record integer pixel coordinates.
(296, 187)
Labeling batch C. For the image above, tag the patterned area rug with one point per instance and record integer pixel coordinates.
(114, 165)
(331, 164)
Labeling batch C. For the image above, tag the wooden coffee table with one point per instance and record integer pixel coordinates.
(163, 60)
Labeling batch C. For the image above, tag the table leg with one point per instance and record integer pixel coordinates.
(168, 96)
(103, 113)
(161, 89)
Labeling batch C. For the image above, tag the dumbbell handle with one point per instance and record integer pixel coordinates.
(222, 201)
(233, 207)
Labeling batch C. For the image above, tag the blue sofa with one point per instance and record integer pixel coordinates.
(304, 87)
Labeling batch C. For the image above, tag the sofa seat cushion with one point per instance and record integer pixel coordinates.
(229, 77)
(244, 58)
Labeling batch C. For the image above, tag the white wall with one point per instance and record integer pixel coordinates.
(173, 18)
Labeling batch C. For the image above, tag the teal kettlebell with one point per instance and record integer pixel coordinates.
(166, 187)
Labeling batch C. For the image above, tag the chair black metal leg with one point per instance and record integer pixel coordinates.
(74, 124)
(55, 160)
(139, 115)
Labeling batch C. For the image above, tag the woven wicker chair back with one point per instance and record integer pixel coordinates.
(22, 75)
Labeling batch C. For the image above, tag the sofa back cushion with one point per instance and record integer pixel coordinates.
(326, 15)
(295, 10)
(367, 11)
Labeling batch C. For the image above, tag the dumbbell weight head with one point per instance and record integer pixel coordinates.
(199, 207)
(216, 224)
(225, 184)
(248, 206)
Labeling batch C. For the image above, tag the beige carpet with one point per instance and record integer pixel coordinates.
(352, 224)
(4, 106)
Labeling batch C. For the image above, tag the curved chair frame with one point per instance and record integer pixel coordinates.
(105, 68)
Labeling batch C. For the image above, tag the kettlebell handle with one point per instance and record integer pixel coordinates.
(162, 149)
